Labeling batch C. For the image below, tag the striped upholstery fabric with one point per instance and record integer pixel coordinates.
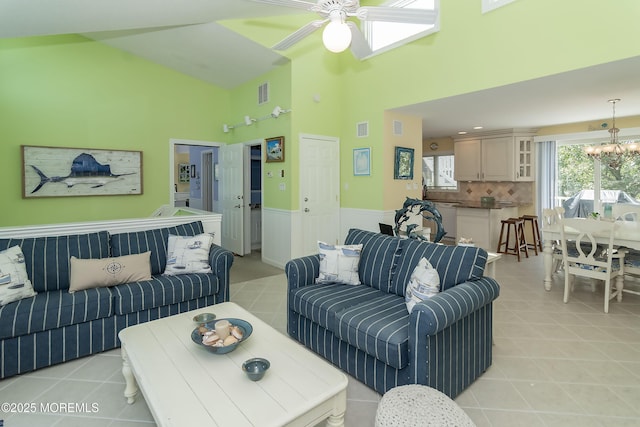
(152, 240)
(445, 343)
(320, 303)
(379, 327)
(455, 264)
(53, 309)
(161, 291)
(47, 258)
(56, 326)
(378, 257)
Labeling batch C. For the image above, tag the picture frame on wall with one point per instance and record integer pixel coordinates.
(184, 172)
(403, 163)
(64, 172)
(362, 161)
(274, 149)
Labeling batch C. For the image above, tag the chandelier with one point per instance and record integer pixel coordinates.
(614, 152)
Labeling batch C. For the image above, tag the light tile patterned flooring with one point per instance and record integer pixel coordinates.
(554, 364)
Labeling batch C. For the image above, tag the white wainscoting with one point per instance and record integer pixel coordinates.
(211, 222)
(277, 226)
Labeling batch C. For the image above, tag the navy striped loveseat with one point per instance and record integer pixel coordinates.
(367, 331)
(56, 326)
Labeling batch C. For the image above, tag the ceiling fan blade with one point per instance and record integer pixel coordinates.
(295, 37)
(299, 4)
(397, 14)
(359, 45)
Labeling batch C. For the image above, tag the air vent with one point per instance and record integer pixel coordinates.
(397, 127)
(362, 129)
(263, 93)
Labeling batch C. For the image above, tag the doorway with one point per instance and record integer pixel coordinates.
(253, 195)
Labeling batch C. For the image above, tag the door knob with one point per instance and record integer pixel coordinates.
(239, 197)
(306, 209)
(237, 206)
(306, 199)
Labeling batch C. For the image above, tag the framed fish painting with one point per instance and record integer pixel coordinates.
(60, 172)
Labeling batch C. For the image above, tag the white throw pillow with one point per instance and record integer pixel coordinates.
(105, 272)
(188, 254)
(14, 281)
(424, 283)
(339, 264)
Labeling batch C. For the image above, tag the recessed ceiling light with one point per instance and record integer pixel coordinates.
(462, 132)
(477, 127)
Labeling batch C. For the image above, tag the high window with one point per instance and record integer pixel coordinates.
(383, 36)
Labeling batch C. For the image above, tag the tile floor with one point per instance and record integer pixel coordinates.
(554, 364)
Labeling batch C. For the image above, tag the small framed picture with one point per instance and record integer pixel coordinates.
(274, 149)
(403, 164)
(361, 161)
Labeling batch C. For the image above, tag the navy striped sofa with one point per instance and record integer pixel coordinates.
(56, 326)
(366, 330)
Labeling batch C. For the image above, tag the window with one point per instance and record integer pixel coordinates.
(437, 172)
(383, 36)
(489, 5)
(604, 184)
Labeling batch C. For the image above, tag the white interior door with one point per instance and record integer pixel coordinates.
(233, 204)
(319, 191)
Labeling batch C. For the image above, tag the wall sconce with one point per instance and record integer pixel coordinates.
(248, 120)
(226, 128)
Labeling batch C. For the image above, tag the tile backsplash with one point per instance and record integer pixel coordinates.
(516, 192)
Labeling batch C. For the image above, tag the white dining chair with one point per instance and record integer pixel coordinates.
(629, 212)
(551, 218)
(590, 260)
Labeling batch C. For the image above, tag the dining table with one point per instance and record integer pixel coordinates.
(626, 234)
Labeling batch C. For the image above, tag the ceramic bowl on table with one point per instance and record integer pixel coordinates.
(255, 368)
(241, 334)
(203, 318)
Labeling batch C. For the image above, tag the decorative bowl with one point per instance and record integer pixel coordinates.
(204, 317)
(255, 368)
(244, 326)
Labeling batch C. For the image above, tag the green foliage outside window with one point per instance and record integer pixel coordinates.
(575, 173)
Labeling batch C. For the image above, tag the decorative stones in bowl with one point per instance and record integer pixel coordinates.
(203, 318)
(223, 338)
(255, 368)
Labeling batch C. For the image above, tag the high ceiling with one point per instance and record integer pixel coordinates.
(184, 35)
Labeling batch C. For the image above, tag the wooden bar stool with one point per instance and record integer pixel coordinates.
(520, 243)
(535, 232)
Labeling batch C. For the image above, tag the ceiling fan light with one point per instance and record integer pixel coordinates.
(336, 36)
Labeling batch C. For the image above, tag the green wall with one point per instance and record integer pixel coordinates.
(68, 91)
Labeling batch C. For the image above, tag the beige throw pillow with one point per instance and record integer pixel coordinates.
(14, 282)
(104, 272)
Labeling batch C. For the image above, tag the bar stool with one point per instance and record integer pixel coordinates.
(535, 232)
(519, 245)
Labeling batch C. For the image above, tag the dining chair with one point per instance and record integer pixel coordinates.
(589, 259)
(629, 212)
(550, 218)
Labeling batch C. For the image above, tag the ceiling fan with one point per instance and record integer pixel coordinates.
(340, 33)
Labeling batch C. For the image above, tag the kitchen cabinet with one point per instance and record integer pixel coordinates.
(494, 158)
(449, 221)
(482, 225)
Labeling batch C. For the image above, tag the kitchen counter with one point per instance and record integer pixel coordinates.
(476, 204)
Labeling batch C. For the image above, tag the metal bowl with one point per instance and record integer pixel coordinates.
(244, 326)
(204, 317)
(255, 368)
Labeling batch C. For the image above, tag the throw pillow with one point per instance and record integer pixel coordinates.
(105, 272)
(424, 283)
(14, 281)
(339, 264)
(188, 254)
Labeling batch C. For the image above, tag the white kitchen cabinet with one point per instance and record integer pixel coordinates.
(467, 157)
(524, 155)
(482, 225)
(494, 158)
(449, 221)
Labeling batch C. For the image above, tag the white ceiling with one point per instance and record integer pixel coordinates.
(184, 35)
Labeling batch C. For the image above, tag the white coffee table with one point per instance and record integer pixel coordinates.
(185, 385)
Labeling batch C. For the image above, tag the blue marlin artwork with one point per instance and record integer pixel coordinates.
(85, 169)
